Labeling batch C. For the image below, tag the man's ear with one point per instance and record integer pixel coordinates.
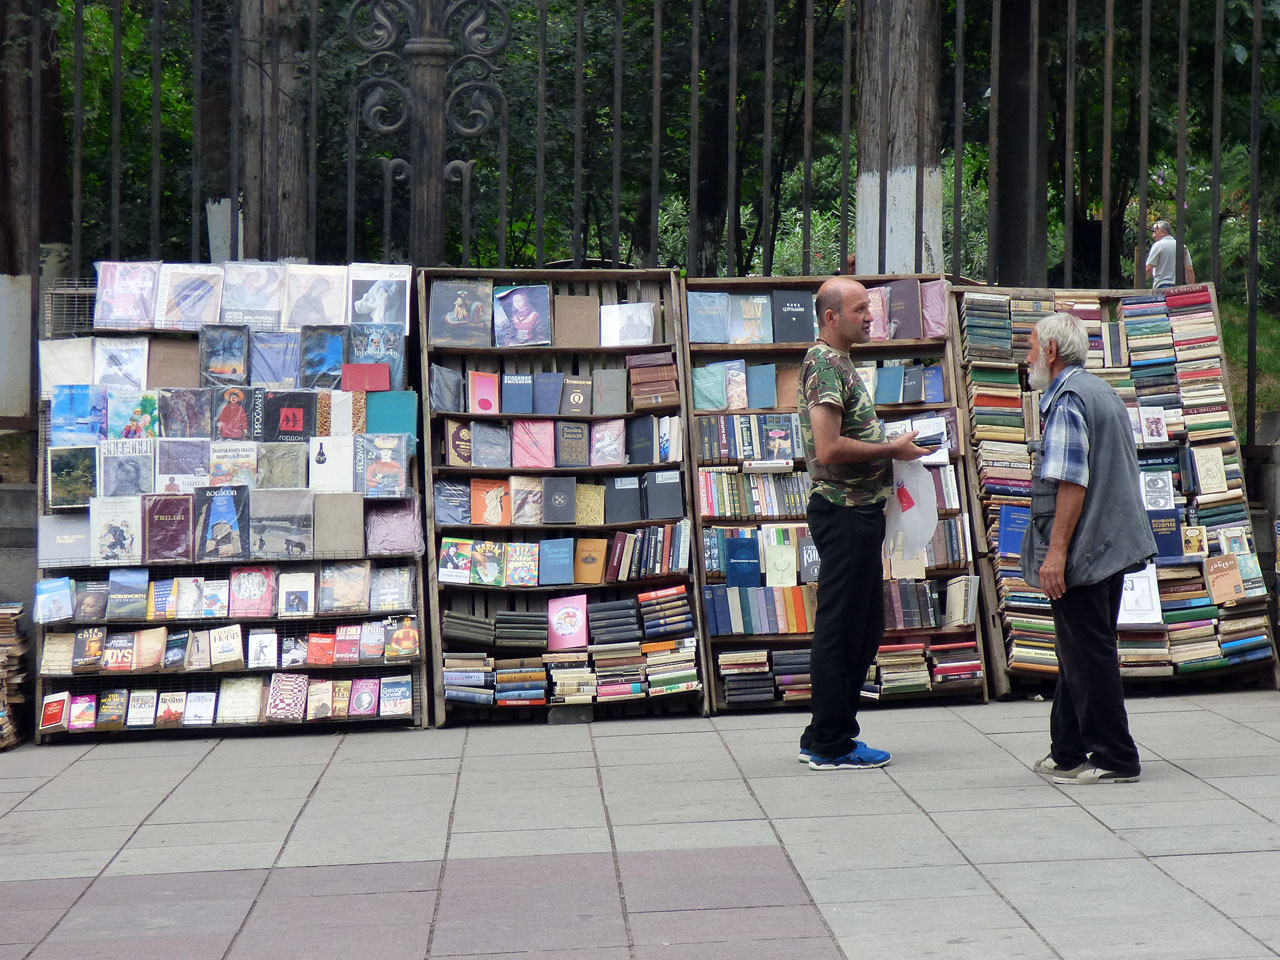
(1049, 350)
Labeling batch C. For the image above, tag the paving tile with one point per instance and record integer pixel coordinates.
(1261, 786)
(194, 858)
(1159, 938)
(779, 760)
(733, 877)
(508, 739)
(266, 941)
(821, 796)
(482, 783)
(990, 798)
(15, 951)
(794, 720)
(156, 747)
(525, 762)
(344, 909)
(199, 834)
(187, 810)
(21, 786)
(1238, 884)
(1204, 838)
(29, 760)
(945, 915)
(48, 866)
(530, 805)
(560, 953)
(128, 946)
(663, 725)
(26, 834)
(1051, 833)
(829, 881)
(391, 745)
(27, 925)
(1266, 929)
(1178, 813)
(688, 802)
(706, 835)
(41, 894)
(811, 948)
(675, 771)
(957, 944)
(798, 921)
(912, 777)
(529, 843)
(677, 742)
(1215, 765)
(125, 891)
(906, 840)
(380, 769)
(288, 882)
(648, 755)
(1161, 781)
(284, 749)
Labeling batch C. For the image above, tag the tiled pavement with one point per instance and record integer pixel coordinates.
(648, 839)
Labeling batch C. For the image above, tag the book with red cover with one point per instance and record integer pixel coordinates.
(533, 444)
(54, 712)
(346, 644)
(168, 525)
(482, 392)
(320, 649)
(252, 592)
(490, 501)
(615, 556)
(370, 377)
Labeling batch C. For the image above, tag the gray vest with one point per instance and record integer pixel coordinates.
(1113, 533)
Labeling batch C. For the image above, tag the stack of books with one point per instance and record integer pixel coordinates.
(954, 663)
(1189, 613)
(1088, 309)
(466, 630)
(13, 674)
(614, 621)
(1023, 316)
(747, 676)
(998, 403)
(572, 679)
(988, 333)
(903, 668)
(468, 677)
(671, 666)
(619, 670)
(652, 381)
(520, 628)
(1142, 636)
(791, 674)
(519, 682)
(666, 613)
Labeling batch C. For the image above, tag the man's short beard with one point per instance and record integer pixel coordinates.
(1038, 375)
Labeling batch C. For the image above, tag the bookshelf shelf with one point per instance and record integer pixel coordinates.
(571, 324)
(722, 491)
(135, 678)
(83, 564)
(218, 621)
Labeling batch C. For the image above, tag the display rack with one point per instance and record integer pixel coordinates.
(1017, 618)
(571, 357)
(68, 312)
(767, 646)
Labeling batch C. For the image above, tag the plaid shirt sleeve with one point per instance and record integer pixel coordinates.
(1066, 442)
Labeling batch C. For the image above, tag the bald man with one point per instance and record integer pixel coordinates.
(848, 460)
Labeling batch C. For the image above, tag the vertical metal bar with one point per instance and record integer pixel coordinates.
(1033, 135)
(806, 225)
(731, 181)
(1069, 156)
(273, 197)
(579, 94)
(77, 145)
(1255, 147)
(1179, 254)
(313, 135)
(957, 152)
(766, 159)
(197, 83)
(1215, 225)
(233, 164)
(918, 218)
(351, 176)
(157, 161)
(655, 158)
(117, 80)
(846, 115)
(886, 83)
(33, 239)
(617, 132)
(695, 233)
(540, 174)
(1144, 141)
(387, 179)
(993, 146)
(1108, 70)
(503, 132)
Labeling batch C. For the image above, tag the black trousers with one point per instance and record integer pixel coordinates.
(1088, 719)
(850, 619)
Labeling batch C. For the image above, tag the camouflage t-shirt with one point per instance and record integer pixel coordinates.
(828, 376)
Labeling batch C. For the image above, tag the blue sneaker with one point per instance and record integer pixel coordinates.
(805, 755)
(861, 757)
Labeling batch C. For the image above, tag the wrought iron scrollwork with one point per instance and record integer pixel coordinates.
(476, 100)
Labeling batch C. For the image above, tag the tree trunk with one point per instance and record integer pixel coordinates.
(15, 125)
(909, 161)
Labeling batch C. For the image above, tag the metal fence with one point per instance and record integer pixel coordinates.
(707, 134)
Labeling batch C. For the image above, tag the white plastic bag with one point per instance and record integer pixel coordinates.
(912, 511)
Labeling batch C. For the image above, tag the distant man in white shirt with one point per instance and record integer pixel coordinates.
(1163, 256)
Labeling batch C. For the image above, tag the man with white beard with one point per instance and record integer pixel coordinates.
(1088, 529)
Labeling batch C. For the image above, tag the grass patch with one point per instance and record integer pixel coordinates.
(1235, 337)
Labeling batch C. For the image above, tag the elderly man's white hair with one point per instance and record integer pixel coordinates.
(1068, 333)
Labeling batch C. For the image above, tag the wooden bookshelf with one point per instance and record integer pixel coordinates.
(944, 349)
(608, 287)
(1003, 675)
(68, 312)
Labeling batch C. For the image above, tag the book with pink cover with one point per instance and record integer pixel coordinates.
(287, 699)
(482, 392)
(567, 623)
(533, 444)
(364, 697)
(608, 443)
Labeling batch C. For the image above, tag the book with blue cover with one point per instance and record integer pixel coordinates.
(934, 388)
(1166, 527)
(547, 388)
(517, 393)
(889, 384)
(555, 561)
(1013, 524)
(393, 411)
(274, 359)
(742, 562)
(380, 343)
(78, 415)
(750, 318)
(452, 501)
(708, 317)
(762, 386)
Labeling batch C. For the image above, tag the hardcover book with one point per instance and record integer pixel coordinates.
(222, 522)
(750, 318)
(393, 411)
(253, 295)
(375, 343)
(126, 468)
(314, 295)
(445, 390)
(559, 500)
(622, 503)
(323, 352)
(224, 356)
(331, 464)
(487, 560)
(251, 591)
(73, 476)
(281, 523)
(662, 495)
(547, 388)
(608, 443)
(590, 558)
(236, 413)
(793, 317)
(78, 415)
(573, 444)
(577, 321)
(526, 500)
(281, 465)
(339, 527)
(490, 444)
(393, 527)
(482, 392)
(55, 710)
(126, 294)
(173, 364)
(168, 527)
(555, 561)
(181, 465)
(533, 444)
(344, 586)
(567, 623)
(451, 500)
(522, 316)
(378, 293)
(627, 324)
(461, 313)
(575, 396)
(367, 377)
(288, 416)
(609, 391)
(65, 362)
(521, 565)
(454, 565)
(708, 317)
(457, 443)
(189, 296)
(115, 529)
(381, 464)
(132, 414)
(490, 501)
(517, 393)
(120, 362)
(390, 589)
(590, 504)
(233, 463)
